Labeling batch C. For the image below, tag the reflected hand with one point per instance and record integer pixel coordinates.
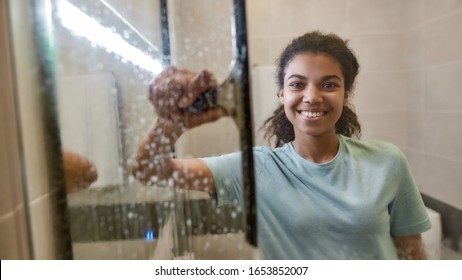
(175, 89)
(79, 172)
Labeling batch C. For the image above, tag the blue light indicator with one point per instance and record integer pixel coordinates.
(149, 235)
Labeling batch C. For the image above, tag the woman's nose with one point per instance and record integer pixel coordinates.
(312, 95)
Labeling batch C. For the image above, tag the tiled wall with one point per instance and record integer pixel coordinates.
(434, 113)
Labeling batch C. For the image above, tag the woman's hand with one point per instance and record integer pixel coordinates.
(79, 172)
(175, 89)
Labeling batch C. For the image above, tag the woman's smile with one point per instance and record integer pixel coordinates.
(312, 115)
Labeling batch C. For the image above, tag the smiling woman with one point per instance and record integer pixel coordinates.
(338, 198)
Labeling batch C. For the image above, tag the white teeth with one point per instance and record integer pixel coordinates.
(312, 114)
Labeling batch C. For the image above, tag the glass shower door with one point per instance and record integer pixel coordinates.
(105, 55)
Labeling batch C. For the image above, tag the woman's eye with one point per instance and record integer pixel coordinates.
(330, 85)
(296, 85)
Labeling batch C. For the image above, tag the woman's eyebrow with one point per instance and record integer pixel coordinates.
(328, 77)
(297, 76)
(325, 78)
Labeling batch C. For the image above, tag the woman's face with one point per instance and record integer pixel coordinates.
(313, 94)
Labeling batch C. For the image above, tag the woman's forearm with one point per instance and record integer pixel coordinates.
(155, 152)
(410, 247)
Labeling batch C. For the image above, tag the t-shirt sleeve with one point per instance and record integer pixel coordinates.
(227, 176)
(408, 212)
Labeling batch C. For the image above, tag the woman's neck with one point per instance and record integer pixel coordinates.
(318, 149)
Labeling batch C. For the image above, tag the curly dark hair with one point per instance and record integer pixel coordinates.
(278, 126)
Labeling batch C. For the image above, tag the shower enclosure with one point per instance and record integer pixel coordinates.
(96, 59)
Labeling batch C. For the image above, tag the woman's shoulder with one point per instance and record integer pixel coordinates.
(267, 155)
(262, 150)
(373, 147)
(268, 151)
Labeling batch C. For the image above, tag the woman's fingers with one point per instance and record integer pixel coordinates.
(195, 119)
(176, 89)
(198, 84)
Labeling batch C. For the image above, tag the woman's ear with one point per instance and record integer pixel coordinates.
(345, 99)
(281, 96)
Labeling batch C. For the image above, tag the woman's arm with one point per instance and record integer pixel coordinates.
(155, 163)
(173, 90)
(410, 247)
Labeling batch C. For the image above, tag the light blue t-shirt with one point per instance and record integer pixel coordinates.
(347, 208)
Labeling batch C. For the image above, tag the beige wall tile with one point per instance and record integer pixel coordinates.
(442, 134)
(381, 92)
(442, 180)
(45, 230)
(288, 19)
(259, 52)
(277, 45)
(325, 15)
(442, 43)
(415, 94)
(369, 16)
(389, 127)
(7, 171)
(415, 130)
(14, 242)
(258, 18)
(380, 52)
(264, 98)
(441, 90)
(297, 17)
(9, 243)
(440, 8)
(413, 14)
(413, 48)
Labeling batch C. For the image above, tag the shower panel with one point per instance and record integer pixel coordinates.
(100, 50)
